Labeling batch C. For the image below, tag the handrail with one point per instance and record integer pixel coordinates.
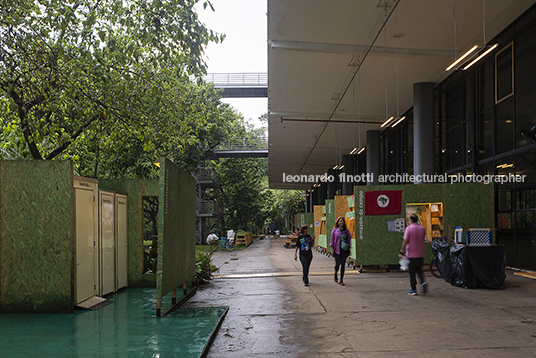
(237, 79)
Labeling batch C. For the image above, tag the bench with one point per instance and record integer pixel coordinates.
(291, 239)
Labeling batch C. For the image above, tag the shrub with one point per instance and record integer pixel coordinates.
(204, 267)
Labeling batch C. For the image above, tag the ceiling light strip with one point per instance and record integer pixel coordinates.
(462, 58)
(480, 57)
(400, 120)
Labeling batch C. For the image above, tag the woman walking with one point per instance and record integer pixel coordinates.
(340, 246)
(304, 244)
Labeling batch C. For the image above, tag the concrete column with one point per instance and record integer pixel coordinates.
(423, 129)
(306, 202)
(348, 170)
(332, 186)
(373, 156)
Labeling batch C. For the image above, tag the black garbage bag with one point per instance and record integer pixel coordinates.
(449, 262)
(471, 266)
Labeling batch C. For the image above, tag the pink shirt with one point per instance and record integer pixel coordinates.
(414, 235)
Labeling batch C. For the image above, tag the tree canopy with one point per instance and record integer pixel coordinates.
(123, 67)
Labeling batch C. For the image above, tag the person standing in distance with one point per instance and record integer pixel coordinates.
(413, 245)
(304, 243)
(340, 246)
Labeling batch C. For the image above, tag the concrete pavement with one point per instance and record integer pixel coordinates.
(273, 315)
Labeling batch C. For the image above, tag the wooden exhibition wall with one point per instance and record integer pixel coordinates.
(135, 189)
(330, 220)
(466, 204)
(36, 236)
(317, 220)
(176, 229)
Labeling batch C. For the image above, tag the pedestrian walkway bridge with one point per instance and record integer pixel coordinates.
(240, 148)
(240, 85)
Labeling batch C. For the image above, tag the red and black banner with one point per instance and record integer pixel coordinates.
(383, 202)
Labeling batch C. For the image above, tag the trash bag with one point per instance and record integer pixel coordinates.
(212, 238)
(404, 263)
(470, 266)
(230, 235)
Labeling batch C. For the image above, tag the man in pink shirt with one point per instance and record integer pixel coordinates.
(413, 245)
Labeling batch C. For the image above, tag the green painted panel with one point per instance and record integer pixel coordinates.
(311, 222)
(36, 236)
(322, 241)
(350, 201)
(135, 189)
(330, 220)
(469, 204)
(176, 242)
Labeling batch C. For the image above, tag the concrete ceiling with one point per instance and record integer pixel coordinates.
(314, 47)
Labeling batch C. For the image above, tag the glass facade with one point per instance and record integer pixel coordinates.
(479, 114)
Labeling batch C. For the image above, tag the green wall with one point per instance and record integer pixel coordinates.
(36, 236)
(176, 241)
(310, 220)
(135, 189)
(467, 204)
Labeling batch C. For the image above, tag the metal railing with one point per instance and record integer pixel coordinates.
(244, 144)
(206, 206)
(237, 79)
(203, 175)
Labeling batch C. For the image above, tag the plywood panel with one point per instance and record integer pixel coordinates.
(36, 236)
(318, 214)
(85, 244)
(467, 204)
(135, 189)
(107, 242)
(176, 242)
(121, 232)
(330, 220)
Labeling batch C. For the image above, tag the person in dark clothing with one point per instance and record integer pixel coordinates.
(340, 246)
(304, 244)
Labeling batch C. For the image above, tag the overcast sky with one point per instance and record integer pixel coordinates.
(244, 48)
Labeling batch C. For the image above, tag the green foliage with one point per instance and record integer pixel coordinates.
(204, 267)
(284, 205)
(106, 71)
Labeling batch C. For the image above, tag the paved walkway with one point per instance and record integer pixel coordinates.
(273, 315)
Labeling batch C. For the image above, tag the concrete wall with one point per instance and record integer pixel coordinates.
(176, 241)
(36, 236)
(135, 189)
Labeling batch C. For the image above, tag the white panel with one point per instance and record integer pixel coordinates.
(107, 240)
(121, 222)
(84, 244)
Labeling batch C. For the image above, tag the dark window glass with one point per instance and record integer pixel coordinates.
(437, 117)
(469, 97)
(526, 190)
(469, 140)
(445, 151)
(525, 58)
(505, 126)
(455, 105)
(457, 146)
(486, 82)
(443, 113)
(438, 156)
(505, 196)
(504, 73)
(485, 135)
(486, 169)
(526, 239)
(525, 115)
